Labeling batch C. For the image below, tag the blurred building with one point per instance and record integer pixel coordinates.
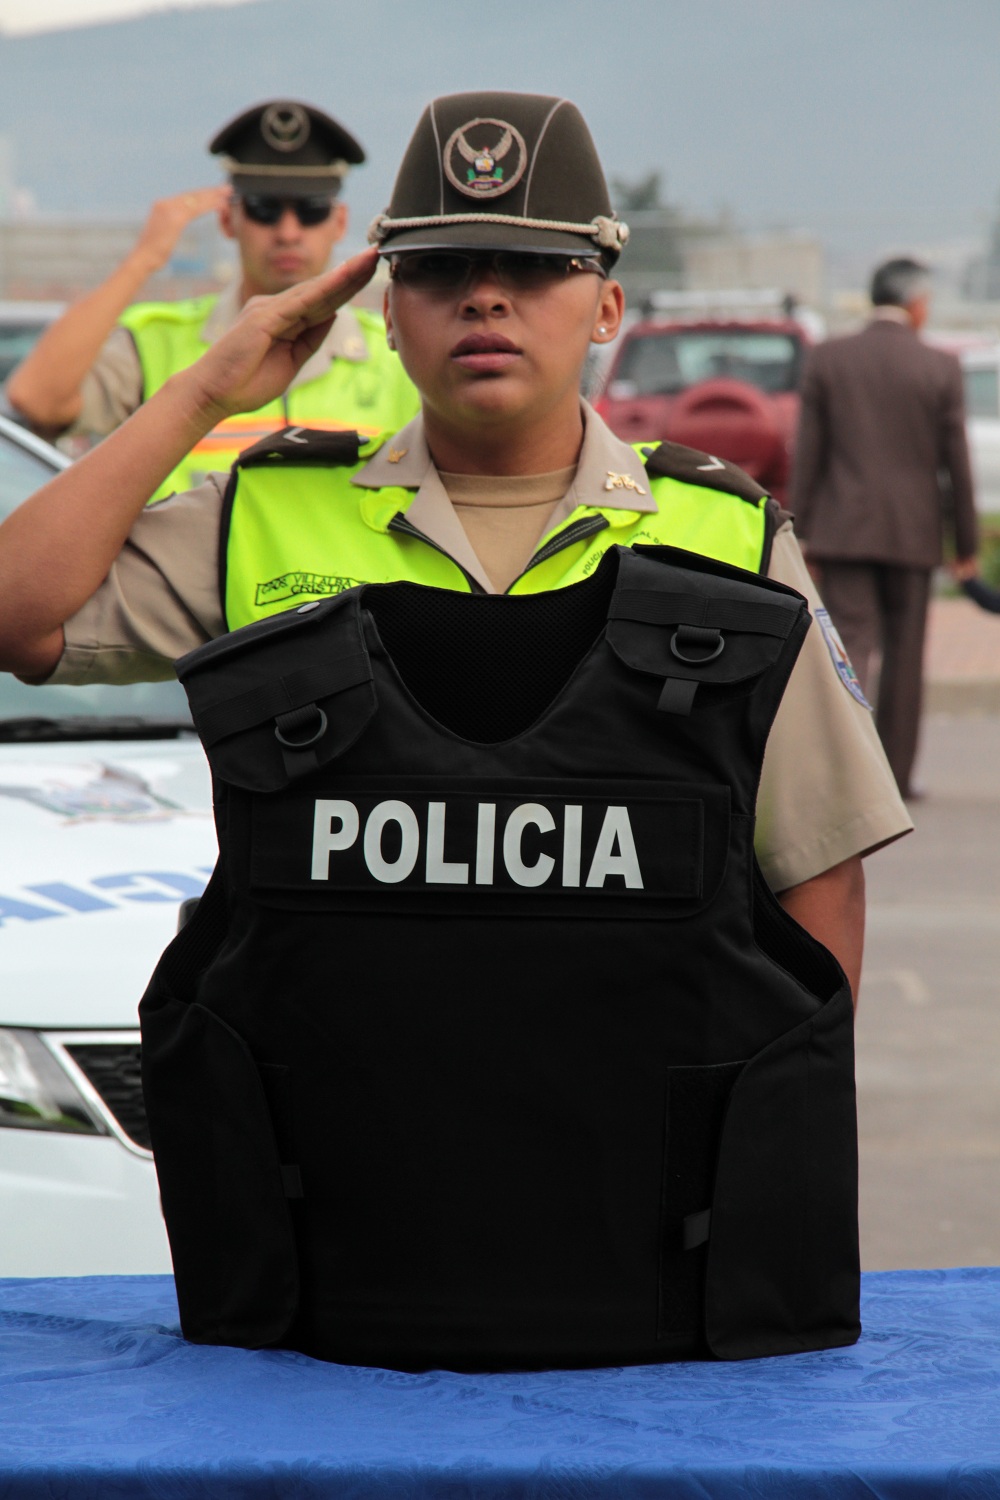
(58, 258)
(671, 251)
(791, 262)
(981, 281)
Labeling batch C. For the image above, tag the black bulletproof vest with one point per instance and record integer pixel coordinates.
(488, 1046)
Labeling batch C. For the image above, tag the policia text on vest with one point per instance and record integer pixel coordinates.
(487, 1046)
(497, 856)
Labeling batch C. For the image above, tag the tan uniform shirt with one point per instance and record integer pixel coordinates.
(826, 792)
(112, 388)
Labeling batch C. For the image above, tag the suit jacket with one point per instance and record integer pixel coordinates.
(881, 459)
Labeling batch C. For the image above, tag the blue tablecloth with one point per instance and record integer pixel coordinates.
(100, 1397)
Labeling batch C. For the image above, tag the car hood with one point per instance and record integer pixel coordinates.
(101, 843)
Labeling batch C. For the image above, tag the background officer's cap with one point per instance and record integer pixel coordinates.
(287, 148)
(500, 171)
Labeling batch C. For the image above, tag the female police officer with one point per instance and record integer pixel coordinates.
(500, 238)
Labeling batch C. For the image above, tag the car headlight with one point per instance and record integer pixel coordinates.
(35, 1092)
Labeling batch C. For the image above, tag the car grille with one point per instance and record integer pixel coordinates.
(113, 1069)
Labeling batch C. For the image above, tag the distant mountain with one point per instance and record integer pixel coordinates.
(871, 121)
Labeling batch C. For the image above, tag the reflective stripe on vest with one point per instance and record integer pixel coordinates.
(365, 395)
(302, 532)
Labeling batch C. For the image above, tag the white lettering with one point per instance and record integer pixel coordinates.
(616, 828)
(390, 873)
(486, 835)
(571, 844)
(337, 824)
(325, 841)
(528, 814)
(440, 871)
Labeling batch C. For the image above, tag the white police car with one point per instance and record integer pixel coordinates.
(106, 828)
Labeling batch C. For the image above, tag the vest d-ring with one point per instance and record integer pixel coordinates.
(706, 644)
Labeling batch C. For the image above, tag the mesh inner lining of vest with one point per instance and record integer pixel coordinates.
(486, 666)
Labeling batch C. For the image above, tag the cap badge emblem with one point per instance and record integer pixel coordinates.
(622, 482)
(285, 127)
(483, 176)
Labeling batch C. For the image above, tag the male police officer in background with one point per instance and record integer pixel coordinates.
(286, 163)
(506, 483)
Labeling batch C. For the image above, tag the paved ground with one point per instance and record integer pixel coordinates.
(963, 659)
(928, 1037)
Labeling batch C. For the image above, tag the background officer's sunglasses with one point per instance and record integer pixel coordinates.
(265, 210)
(450, 272)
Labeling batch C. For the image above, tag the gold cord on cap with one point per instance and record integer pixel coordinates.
(235, 168)
(610, 234)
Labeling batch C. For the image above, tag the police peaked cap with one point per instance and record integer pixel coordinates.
(284, 146)
(501, 171)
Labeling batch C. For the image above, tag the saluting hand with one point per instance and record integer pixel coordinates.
(272, 338)
(169, 217)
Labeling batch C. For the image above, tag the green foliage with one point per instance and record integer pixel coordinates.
(636, 195)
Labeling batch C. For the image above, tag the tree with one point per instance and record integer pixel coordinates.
(643, 193)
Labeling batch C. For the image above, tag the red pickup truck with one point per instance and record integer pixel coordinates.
(726, 386)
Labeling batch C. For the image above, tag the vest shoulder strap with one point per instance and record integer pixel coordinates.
(190, 310)
(675, 461)
(307, 445)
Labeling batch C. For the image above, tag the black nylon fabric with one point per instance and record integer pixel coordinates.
(524, 1064)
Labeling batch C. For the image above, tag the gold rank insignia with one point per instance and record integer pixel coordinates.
(395, 454)
(622, 482)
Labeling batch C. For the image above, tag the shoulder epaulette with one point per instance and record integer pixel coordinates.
(303, 445)
(674, 461)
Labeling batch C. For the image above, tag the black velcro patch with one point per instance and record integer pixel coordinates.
(675, 461)
(303, 445)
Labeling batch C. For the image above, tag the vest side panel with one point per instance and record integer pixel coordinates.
(217, 1159)
(784, 1272)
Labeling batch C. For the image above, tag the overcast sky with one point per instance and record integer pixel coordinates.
(20, 16)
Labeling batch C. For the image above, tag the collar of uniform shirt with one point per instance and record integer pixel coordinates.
(344, 341)
(405, 462)
(891, 314)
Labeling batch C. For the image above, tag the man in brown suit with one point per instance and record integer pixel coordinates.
(881, 467)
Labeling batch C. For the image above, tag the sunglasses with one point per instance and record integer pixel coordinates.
(450, 273)
(308, 211)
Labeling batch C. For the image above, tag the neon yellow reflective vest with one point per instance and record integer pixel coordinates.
(369, 395)
(296, 529)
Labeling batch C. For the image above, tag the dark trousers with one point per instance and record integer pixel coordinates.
(877, 607)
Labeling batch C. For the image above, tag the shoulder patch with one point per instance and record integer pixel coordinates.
(303, 445)
(675, 461)
(841, 661)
